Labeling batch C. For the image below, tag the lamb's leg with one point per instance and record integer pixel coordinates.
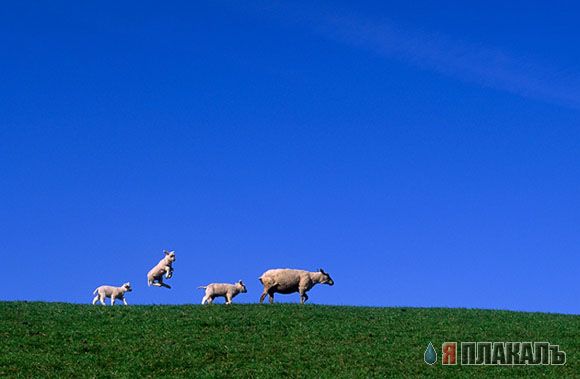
(112, 300)
(102, 299)
(303, 297)
(160, 283)
(125, 301)
(228, 299)
(95, 299)
(204, 300)
(210, 300)
(263, 296)
(271, 294)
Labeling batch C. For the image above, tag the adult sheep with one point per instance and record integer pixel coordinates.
(287, 281)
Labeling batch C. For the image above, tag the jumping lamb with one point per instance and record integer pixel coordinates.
(229, 291)
(164, 267)
(114, 293)
(287, 281)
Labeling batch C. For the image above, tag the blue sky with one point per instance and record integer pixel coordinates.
(423, 155)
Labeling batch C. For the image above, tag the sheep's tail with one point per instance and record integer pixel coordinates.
(260, 279)
(201, 287)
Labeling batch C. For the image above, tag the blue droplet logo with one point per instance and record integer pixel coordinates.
(430, 354)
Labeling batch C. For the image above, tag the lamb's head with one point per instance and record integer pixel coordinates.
(169, 255)
(241, 286)
(127, 287)
(326, 279)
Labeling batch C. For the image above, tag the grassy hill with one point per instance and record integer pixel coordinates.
(67, 340)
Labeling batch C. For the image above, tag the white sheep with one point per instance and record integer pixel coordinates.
(114, 293)
(287, 281)
(164, 267)
(229, 291)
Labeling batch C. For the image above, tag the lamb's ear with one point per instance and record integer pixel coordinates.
(165, 252)
(242, 283)
(322, 271)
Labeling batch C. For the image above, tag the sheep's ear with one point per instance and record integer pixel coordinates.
(165, 252)
(242, 283)
(322, 271)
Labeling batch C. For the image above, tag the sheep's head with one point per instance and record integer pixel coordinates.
(169, 255)
(127, 286)
(241, 286)
(326, 279)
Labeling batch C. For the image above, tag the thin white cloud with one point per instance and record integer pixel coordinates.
(468, 62)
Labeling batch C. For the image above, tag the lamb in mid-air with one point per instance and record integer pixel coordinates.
(229, 291)
(164, 267)
(287, 281)
(114, 293)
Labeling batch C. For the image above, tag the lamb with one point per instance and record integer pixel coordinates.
(114, 293)
(165, 266)
(287, 281)
(229, 291)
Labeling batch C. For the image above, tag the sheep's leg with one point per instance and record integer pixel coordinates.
(102, 299)
(167, 272)
(125, 301)
(95, 299)
(112, 300)
(228, 299)
(210, 300)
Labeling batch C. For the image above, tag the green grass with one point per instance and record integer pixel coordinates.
(67, 340)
